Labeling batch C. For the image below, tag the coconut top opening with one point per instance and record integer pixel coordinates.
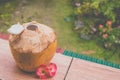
(34, 39)
(32, 27)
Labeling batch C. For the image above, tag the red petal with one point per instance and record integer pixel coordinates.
(52, 69)
(42, 72)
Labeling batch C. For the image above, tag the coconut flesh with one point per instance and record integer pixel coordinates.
(33, 38)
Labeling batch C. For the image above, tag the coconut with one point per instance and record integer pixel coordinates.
(33, 45)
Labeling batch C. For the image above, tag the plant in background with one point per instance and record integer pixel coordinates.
(94, 12)
(109, 36)
(5, 15)
(7, 7)
(99, 9)
(114, 37)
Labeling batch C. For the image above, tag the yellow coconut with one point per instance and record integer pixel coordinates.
(36, 45)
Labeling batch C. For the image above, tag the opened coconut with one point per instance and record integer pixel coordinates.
(32, 44)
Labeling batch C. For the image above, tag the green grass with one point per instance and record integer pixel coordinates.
(53, 13)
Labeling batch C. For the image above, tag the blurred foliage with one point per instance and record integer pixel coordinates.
(109, 36)
(101, 10)
(114, 36)
(96, 12)
(7, 8)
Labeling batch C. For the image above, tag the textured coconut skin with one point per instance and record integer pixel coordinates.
(30, 61)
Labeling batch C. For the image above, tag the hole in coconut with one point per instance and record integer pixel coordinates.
(32, 27)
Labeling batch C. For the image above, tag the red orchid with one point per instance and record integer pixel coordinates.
(42, 72)
(52, 69)
(46, 71)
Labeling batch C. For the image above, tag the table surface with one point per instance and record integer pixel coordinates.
(68, 68)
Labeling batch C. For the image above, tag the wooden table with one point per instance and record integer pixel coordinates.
(68, 68)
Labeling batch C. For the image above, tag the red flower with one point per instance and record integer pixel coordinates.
(105, 35)
(46, 71)
(100, 26)
(52, 69)
(109, 23)
(42, 72)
